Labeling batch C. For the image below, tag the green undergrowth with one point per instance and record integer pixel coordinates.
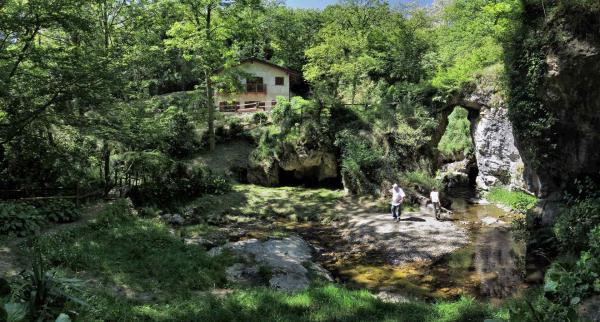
(318, 303)
(517, 200)
(136, 254)
(263, 202)
(137, 270)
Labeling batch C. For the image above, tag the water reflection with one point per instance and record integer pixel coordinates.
(499, 262)
(498, 259)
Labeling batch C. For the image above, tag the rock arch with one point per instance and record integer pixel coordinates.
(497, 156)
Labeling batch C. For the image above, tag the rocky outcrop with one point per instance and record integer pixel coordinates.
(295, 166)
(456, 174)
(317, 165)
(498, 159)
(284, 264)
(556, 101)
(570, 91)
(263, 174)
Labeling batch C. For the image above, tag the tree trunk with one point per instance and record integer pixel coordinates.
(211, 113)
(2, 152)
(106, 158)
(105, 24)
(209, 90)
(354, 81)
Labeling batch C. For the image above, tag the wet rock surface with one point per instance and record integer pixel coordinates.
(490, 221)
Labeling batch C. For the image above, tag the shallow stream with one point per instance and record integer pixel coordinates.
(491, 266)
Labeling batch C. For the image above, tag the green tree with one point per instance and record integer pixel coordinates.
(469, 36)
(204, 36)
(363, 42)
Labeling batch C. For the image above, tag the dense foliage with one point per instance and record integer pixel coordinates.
(19, 218)
(117, 96)
(23, 218)
(457, 144)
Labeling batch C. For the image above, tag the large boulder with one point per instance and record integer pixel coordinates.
(264, 174)
(296, 164)
(283, 263)
(555, 99)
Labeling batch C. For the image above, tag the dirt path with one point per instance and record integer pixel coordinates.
(418, 236)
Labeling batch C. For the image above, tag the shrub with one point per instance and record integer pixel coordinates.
(58, 211)
(20, 219)
(179, 184)
(118, 212)
(42, 292)
(149, 212)
(456, 143)
(360, 162)
(213, 184)
(235, 127)
(567, 285)
(260, 118)
(182, 141)
(423, 180)
(576, 221)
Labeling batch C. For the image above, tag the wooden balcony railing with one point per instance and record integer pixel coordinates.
(244, 108)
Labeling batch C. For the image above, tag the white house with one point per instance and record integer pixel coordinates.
(260, 91)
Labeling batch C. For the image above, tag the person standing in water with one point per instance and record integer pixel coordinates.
(397, 199)
(435, 200)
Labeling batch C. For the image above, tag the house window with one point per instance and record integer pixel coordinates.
(255, 85)
(279, 81)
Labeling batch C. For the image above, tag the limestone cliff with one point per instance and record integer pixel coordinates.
(555, 96)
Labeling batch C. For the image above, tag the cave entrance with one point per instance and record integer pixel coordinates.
(308, 178)
(456, 149)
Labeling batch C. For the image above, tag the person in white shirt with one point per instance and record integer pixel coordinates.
(397, 199)
(435, 200)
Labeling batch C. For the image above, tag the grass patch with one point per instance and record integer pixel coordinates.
(137, 254)
(263, 202)
(517, 200)
(319, 303)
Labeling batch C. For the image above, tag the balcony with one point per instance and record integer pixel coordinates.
(256, 88)
(248, 107)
